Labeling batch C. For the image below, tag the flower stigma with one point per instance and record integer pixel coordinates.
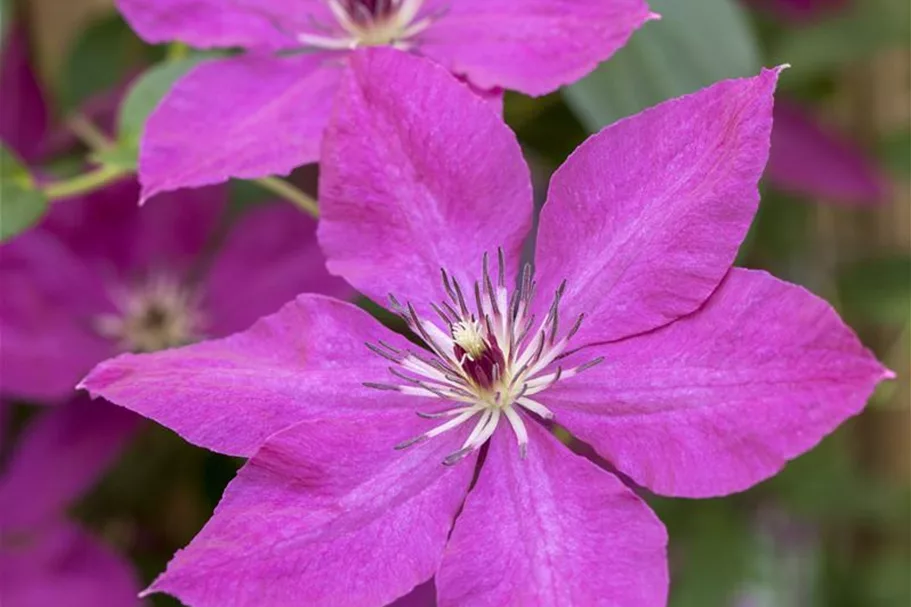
(486, 359)
(153, 315)
(360, 23)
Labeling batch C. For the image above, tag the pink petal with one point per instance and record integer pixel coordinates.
(269, 257)
(418, 174)
(533, 46)
(48, 298)
(806, 159)
(60, 456)
(229, 394)
(718, 401)
(246, 117)
(24, 114)
(265, 24)
(64, 565)
(552, 529)
(645, 218)
(327, 513)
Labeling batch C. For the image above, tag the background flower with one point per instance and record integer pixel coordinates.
(264, 112)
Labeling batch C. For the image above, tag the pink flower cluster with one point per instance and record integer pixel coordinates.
(417, 463)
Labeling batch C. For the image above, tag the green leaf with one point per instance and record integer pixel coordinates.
(102, 58)
(696, 43)
(21, 203)
(855, 33)
(147, 92)
(122, 157)
(876, 289)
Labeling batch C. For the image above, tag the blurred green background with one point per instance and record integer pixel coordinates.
(833, 530)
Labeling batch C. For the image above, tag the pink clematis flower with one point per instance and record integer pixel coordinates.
(100, 276)
(264, 112)
(692, 378)
(46, 559)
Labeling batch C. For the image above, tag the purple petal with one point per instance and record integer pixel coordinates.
(64, 565)
(230, 394)
(552, 529)
(246, 117)
(48, 299)
(418, 174)
(720, 400)
(806, 159)
(533, 46)
(262, 24)
(327, 510)
(24, 115)
(269, 257)
(645, 218)
(59, 457)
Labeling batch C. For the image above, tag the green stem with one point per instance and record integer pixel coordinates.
(85, 183)
(88, 133)
(290, 193)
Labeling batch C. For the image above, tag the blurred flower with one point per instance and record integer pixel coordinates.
(24, 115)
(800, 10)
(811, 160)
(46, 559)
(264, 112)
(691, 378)
(101, 276)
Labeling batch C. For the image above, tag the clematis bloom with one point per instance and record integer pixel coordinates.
(100, 276)
(264, 112)
(692, 378)
(45, 558)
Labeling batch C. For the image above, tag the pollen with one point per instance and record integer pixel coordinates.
(467, 335)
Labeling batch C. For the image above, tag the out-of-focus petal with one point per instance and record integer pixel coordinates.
(645, 218)
(24, 114)
(533, 46)
(807, 159)
(122, 242)
(418, 174)
(59, 457)
(552, 529)
(243, 117)
(64, 565)
(270, 256)
(258, 24)
(230, 394)
(718, 401)
(48, 302)
(327, 513)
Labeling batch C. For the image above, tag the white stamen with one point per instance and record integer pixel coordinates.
(490, 357)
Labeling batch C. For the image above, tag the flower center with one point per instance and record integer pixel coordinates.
(157, 314)
(487, 361)
(369, 23)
